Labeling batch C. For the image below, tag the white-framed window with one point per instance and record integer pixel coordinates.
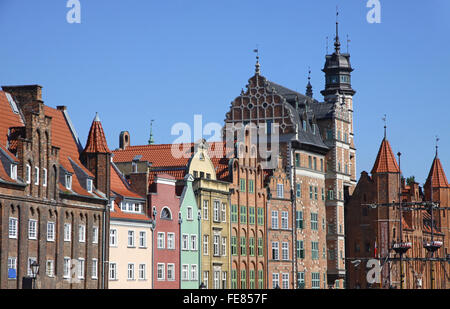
(67, 232)
(216, 241)
(285, 251)
(185, 272)
(224, 246)
(280, 190)
(66, 268)
(28, 175)
(113, 238)
(51, 227)
(171, 272)
(285, 281)
(194, 242)
(275, 250)
(130, 207)
(112, 271)
(205, 209)
(216, 211)
(82, 233)
(142, 239)
(275, 280)
(44, 177)
(13, 222)
(130, 271)
(81, 267)
(224, 280)
(189, 215)
(217, 279)
(185, 242)
(274, 219)
(14, 171)
(32, 229)
(137, 208)
(142, 272)
(123, 206)
(68, 182)
(194, 272)
(284, 220)
(224, 212)
(31, 260)
(205, 245)
(89, 185)
(206, 278)
(315, 280)
(161, 240)
(112, 205)
(131, 239)
(170, 241)
(12, 263)
(95, 235)
(94, 269)
(160, 272)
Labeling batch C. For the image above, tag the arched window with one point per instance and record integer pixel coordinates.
(165, 214)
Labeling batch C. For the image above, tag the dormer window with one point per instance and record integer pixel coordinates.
(89, 185)
(69, 182)
(14, 171)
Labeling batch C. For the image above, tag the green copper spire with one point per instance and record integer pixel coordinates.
(151, 141)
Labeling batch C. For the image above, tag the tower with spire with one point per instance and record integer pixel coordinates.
(96, 156)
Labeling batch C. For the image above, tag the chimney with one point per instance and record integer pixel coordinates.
(25, 95)
(124, 140)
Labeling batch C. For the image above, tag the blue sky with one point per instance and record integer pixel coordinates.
(137, 60)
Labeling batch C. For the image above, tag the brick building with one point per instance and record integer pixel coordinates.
(316, 143)
(280, 231)
(53, 209)
(374, 232)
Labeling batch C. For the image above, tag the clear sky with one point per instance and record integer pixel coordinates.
(137, 60)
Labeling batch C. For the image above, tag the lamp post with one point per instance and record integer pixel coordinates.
(35, 272)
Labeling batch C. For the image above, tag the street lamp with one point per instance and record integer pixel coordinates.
(35, 272)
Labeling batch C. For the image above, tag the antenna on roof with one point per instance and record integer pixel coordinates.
(385, 126)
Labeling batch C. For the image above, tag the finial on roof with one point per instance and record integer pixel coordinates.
(151, 141)
(309, 92)
(97, 118)
(437, 145)
(348, 43)
(337, 44)
(385, 126)
(257, 66)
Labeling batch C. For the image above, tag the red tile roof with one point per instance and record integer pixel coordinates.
(437, 176)
(8, 118)
(96, 142)
(385, 162)
(120, 186)
(164, 160)
(119, 214)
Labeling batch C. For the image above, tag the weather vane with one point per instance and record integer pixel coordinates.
(385, 124)
(437, 144)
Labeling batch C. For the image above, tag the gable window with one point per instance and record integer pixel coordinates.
(89, 185)
(280, 190)
(284, 220)
(165, 214)
(14, 171)
(69, 182)
(189, 215)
